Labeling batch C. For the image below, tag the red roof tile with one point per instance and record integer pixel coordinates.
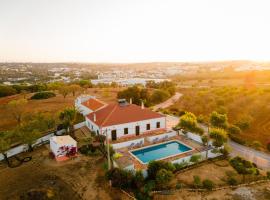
(114, 114)
(93, 104)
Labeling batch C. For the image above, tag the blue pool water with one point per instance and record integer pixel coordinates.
(160, 151)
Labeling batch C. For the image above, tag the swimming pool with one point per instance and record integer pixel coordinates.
(160, 151)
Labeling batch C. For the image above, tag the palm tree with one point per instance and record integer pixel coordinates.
(68, 118)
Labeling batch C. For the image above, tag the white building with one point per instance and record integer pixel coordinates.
(120, 119)
(63, 147)
(86, 104)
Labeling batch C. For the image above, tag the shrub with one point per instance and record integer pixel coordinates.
(268, 174)
(163, 178)
(178, 185)
(120, 178)
(179, 166)
(208, 184)
(195, 158)
(204, 139)
(218, 120)
(155, 166)
(219, 135)
(43, 95)
(256, 144)
(197, 181)
(231, 181)
(268, 146)
(233, 129)
(237, 139)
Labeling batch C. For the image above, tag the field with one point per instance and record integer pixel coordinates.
(52, 105)
(248, 107)
(44, 178)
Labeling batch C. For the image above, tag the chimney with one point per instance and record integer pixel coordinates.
(142, 105)
(95, 117)
(130, 101)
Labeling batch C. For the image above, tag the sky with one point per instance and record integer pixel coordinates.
(134, 30)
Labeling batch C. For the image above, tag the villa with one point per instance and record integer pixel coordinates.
(138, 134)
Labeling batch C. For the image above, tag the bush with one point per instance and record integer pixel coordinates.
(268, 174)
(163, 178)
(208, 184)
(155, 166)
(195, 158)
(179, 166)
(197, 182)
(231, 181)
(234, 129)
(237, 139)
(43, 95)
(256, 144)
(268, 146)
(120, 178)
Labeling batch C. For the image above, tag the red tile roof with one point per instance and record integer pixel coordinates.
(93, 104)
(114, 114)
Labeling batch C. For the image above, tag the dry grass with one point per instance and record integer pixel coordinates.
(52, 105)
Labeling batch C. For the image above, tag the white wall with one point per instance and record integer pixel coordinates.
(79, 125)
(131, 127)
(169, 134)
(92, 126)
(127, 143)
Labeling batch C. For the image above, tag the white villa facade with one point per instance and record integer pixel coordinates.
(119, 120)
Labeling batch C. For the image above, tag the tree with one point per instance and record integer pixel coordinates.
(135, 93)
(163, 178)
(17, 109)
(243, 167)
(155, 166)
(7, 90)
(75, 89)
(159, 96)
(218, 120)
(65, 90)
(188, 121)
(219, 136)
(55, 86)
(68, 117)
(4, 145)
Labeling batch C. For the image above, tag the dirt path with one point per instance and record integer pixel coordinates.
(168, 102)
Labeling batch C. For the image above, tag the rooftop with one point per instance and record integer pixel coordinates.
(116, 113)
(63, 140)
(93, 104)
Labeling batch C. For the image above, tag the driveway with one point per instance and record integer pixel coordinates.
(168, 102)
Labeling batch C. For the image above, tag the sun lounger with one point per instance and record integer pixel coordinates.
(131, 146)
(155, 140)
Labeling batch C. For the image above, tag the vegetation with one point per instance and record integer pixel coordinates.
(208, 184)
(43, 95)
(244, 167)
(188, 122)
(68, 118)
(219, 136)
(16, 108)
(247, 110)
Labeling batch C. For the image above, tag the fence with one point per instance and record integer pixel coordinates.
(44, 139)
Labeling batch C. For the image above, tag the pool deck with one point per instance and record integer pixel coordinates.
(127, 159)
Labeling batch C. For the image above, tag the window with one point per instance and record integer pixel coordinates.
(92, 127)
(98, 132)
(158, 124)
(147, 126)
(125, 131)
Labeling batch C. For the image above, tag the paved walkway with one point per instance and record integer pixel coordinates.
(168, 102)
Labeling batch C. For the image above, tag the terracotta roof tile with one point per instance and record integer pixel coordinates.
(114, 114)
(93, 104)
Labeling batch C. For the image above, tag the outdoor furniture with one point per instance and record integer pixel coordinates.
(166, 138)
(131, 146)
(141, 143)
(155, 140)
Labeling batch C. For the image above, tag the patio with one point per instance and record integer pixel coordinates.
(127, 159)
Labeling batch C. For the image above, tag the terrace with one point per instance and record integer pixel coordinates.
(128, 161)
